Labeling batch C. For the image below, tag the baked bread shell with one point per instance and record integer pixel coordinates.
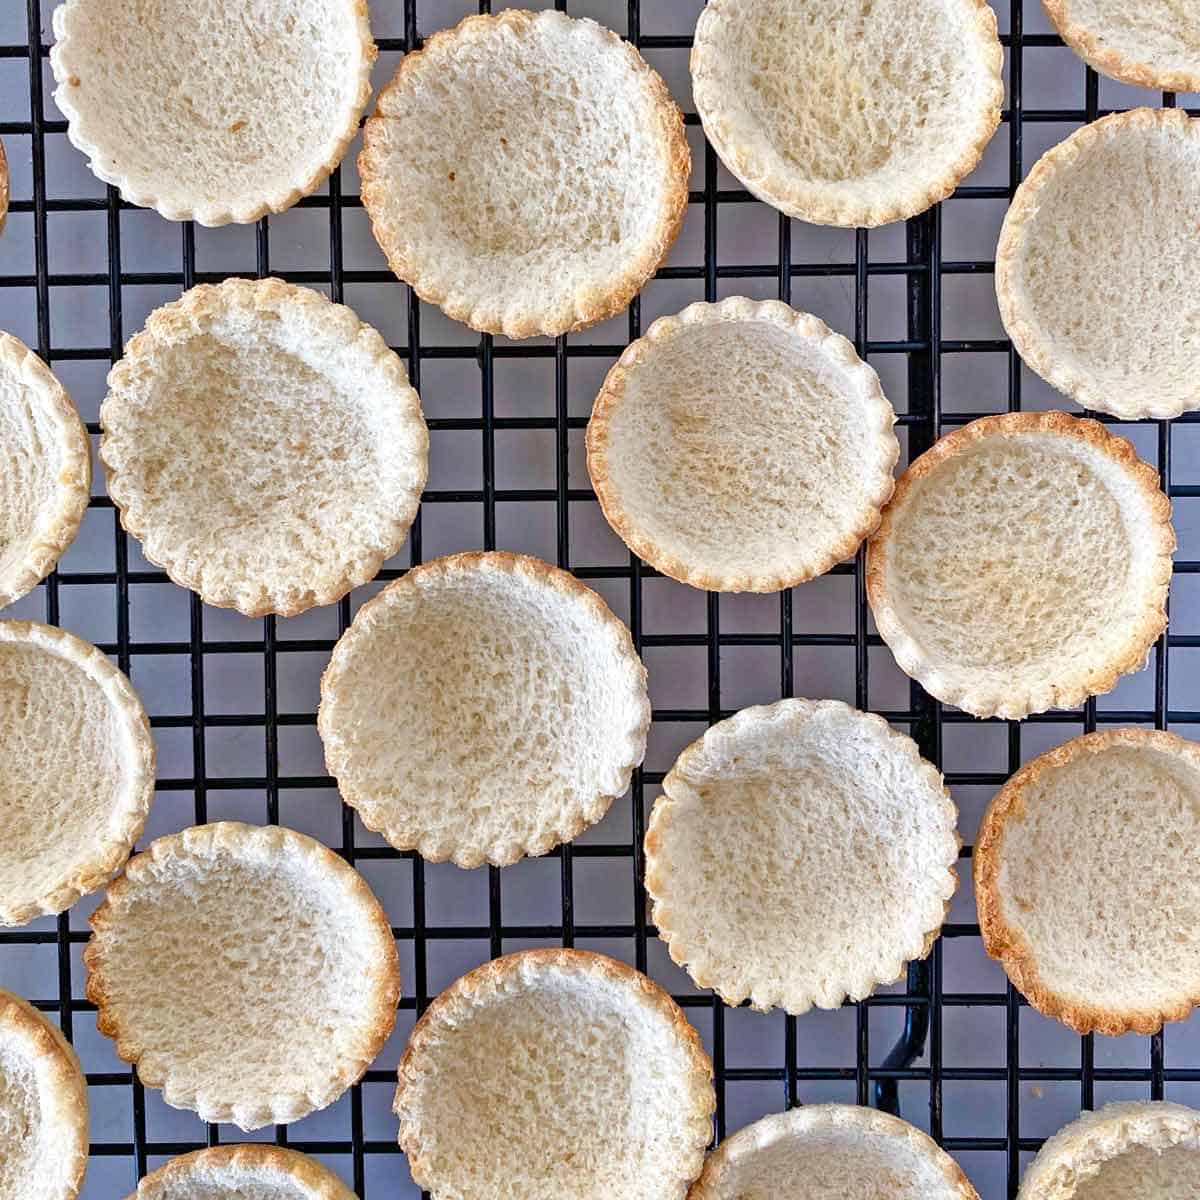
(256, 1172)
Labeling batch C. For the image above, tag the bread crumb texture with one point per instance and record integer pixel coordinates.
(47, 472)
(552, 1073)
(1147, 1149)
(528, 172)
(76, 770)
(1087, 874)
(483, 707)
(1153, 43)
(253, 1172)
(208, 111)
(265, 446)
(831, 1152)
(858, 113)
(1022, 564)
(801, 852)
(1097, 261)
(43, 1107)
(248, 972)
(742, 446)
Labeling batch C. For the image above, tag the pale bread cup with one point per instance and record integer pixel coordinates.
(208, 111)
(76, 770)
(856, 113)
(1144, 1149)
(1114, 329)
(246, 971)
(264, 445)
(527, 172)
(1022, 564)
(1150, 43)
(742, 446)
(824, 1150)
(1091, 840)
(483, 707)
(43, 1107)
(802, 852)
(250, 1172)
(47, 472)
(554, 1073)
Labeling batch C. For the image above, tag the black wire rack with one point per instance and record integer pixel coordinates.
(895, 1056)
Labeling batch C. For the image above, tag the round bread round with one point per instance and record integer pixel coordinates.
(1128, 799)
(47, 474)
(1147, 1149)
(208, 113)
(528, 172)
(248, 972)
(265, 446)
(1022, 564)
(831, 1152)
(742, 446)
(1115, 331)
(483, 707)
(1153, 43)
(761, 824)
(859, 113)
(43, 1108)
(76, 770)
(254, 1172)
(552, 1073)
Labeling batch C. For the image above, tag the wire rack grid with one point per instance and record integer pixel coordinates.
(952, 1048)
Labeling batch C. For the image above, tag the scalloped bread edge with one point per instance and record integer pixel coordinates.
(248, 210)
(380, 989)
(662, 915)
(107, 855)
(1078, 1150)
(1111, 62)
(388, 226)
(64, 1078)
(794, 1125)
(1064, 694)
(1018, 323)
(1006, 944)
(793, 196)
(164, 328)
(476, 989)
(878, 415)
(311, 1178)
(74, 475)
(502, 562)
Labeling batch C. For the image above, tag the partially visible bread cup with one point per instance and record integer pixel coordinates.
(47, 470)
(76, 770)
(1022, 564)
(855, 113)
(251, 1172)
(742, 446)
(1144, 1149)
(4, 187)
(527, 172)
(554, 1073)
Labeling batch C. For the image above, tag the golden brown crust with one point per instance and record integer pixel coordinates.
(1068, 693)
(380, 989)
(3, 187)
(794, 196)
(553, 578)
(108, 854)
(474, 989)
(1006, 944)
(61, 1077)
(1110, 61)
(74, 472)
(1038, 354)
(877, 414)
(386, 209)
(290, 1168)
